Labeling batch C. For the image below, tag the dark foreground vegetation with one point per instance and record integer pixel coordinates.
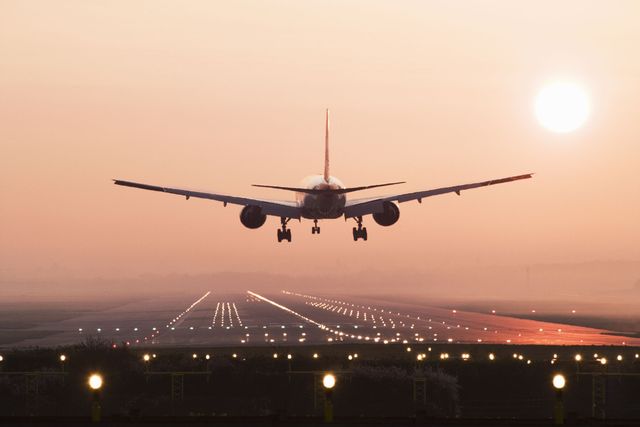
(372, 381)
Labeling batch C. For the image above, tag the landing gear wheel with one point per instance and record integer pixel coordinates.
(359, 232)
(315, 229)
(284, 233)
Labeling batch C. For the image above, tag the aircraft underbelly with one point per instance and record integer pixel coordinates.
(328, 206)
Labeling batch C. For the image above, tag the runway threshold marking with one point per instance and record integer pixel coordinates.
(215, 315)
(235, 309)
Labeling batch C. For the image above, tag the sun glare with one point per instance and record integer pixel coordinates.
(562, 107)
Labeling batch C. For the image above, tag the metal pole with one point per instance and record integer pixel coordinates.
(558, 418)
(328, 406)
(96, 409)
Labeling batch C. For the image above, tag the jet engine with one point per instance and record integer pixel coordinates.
(389, 215)
(252, 217)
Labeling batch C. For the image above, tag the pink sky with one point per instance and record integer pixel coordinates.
(220, 95)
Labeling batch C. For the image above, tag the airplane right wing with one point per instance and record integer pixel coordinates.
(268, 207)
(361, 207)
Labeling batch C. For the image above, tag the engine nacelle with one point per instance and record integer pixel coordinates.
(388, 216)
(252, 217)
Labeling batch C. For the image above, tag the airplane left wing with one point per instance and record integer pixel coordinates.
(269, 207)
(361, 207)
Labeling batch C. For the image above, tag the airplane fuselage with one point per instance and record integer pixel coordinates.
(321, 206)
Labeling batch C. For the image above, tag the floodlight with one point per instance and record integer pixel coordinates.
(328, 381)
(559, 381)
(95, 382)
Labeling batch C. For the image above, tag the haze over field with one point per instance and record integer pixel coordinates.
(220, 95)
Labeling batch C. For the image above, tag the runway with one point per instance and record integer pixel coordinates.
(289, 318)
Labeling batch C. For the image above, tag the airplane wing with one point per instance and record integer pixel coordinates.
(361, 207)
(269, 207)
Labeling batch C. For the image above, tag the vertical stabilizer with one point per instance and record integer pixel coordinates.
(326, 147)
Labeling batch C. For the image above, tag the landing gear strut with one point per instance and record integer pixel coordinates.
(284, 233)
(315, 229)
(360, 232)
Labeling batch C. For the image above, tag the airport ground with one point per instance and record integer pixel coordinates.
(213, 318)
(256, 357)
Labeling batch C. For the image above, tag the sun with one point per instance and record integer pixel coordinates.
(562, 107)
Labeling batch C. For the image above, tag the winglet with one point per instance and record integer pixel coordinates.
(326, 146)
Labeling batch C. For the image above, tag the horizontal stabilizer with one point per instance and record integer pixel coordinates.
(328, 190)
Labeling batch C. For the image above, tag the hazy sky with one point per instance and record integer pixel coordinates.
(217, 95)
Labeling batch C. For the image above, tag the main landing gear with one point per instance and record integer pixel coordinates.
(315, 229)
(284, 233)
(360, 232)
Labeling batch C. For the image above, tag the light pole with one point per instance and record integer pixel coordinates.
(95, 384)
(63, 359)
(146, 358)
(328, 382)
(559, 383)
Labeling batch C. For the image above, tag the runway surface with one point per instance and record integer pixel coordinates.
(290, 318)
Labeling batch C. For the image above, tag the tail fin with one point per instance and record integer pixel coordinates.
(326, 147)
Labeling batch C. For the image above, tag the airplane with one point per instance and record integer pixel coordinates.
(322, 197)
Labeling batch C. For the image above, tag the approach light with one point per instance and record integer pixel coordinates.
(146, 357)
(207, 356)
(194, 355)
(289, 356)
(559, 381)
(63, 357)
(1, 358)
(603, 361)
(328, 381)
(578, 357)
(315, 355)
(492, 356)
(95, 382)
(619, 358)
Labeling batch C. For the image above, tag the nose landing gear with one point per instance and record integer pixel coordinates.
(284, 233)
(360, 232)
(315, 229)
